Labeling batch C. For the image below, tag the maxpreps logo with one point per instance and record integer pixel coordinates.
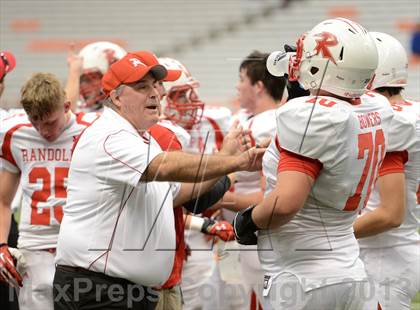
(323, 42)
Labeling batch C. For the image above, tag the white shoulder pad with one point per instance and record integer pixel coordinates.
(221, 115)
(402, 135)
(263, 125)
(312, 130)
(241, 115)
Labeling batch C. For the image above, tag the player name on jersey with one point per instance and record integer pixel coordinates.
(368, 120)
(50, 154)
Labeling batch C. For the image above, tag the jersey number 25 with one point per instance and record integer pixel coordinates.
(42, 173)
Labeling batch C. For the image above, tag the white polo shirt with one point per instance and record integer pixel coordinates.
(112, 223)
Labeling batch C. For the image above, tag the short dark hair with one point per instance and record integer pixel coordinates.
(391, 90)
(256, 70)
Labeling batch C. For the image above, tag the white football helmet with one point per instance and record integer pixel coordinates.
(183, 105)
(97, 58)
(338, 56)
(392, 69)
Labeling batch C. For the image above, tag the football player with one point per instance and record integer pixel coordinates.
(36, 150)
(319, 172)
(389, 244)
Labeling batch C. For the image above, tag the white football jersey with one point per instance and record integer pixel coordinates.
(43, 168)
(207, 136)
(318, 244)
(242, 115)
(404, 135)
(213, 127)
(262, 125)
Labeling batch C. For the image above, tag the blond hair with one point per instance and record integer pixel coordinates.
(42, 95)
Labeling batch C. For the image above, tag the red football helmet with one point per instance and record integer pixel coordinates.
(183, 105)
(97, 57)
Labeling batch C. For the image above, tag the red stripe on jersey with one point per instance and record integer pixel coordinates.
(293, 162)
(165, 137)
(250, 133)
(176, 274)
(418, 195)
(254, 304)
(79, 119)
(217, 131)
(393, 163)
(168, 141)
(6, 148)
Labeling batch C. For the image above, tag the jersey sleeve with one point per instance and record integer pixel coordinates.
(393, 163)
(8, 149)
(312, 130)
(402, 135)
(126, 157)
(293, 162)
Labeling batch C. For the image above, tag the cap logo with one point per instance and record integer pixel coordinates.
(135, 62)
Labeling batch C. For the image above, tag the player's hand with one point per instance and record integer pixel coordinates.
(244, 227)
(220, 229)
(236, 140)
(74, 61)
(9, 259)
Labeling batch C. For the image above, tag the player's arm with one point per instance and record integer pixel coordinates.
(286, 199)
(9, 183)
(236, 202)
(295, 178)
(75, 63)
(184, 167)
(391, 211)
(198, 197)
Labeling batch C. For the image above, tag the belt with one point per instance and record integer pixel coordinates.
(80, 270)
(50, 250)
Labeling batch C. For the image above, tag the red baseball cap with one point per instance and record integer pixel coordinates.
(7, 63)
(132, 68)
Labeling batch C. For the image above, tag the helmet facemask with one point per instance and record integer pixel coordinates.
(184, 107)
(91, 88)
